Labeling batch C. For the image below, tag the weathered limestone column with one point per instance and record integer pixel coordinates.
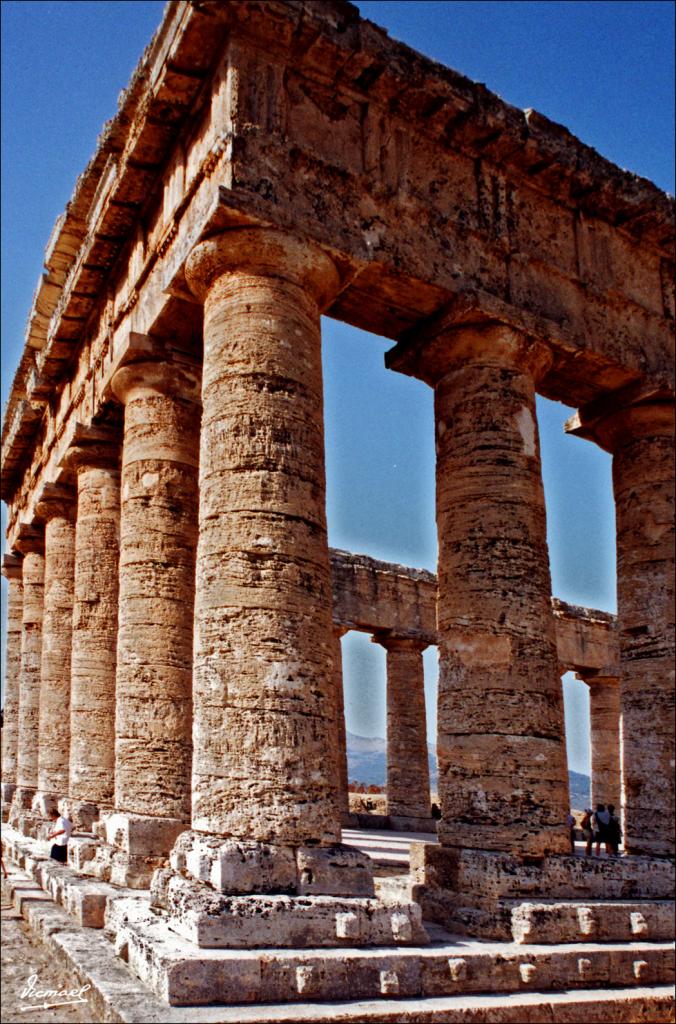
(502, 760)
(158, 534)
(264, 766)
(94, 636)
(641, 439)
(408, 778)
(13, 572)
(57, 509)
(31, 543)
(340, 731)
(604, 714)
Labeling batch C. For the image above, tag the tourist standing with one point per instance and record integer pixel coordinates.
(63, 827)
(587, 830)
(614, 832)
(600, 824)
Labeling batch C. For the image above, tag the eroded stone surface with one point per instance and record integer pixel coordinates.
(408, 779)
(502, 761)
(219, 921)
(12, 571)
(604, 715)
(94, 636)
(31, 657)
(158, 533)
(54, 728)
(263, 705)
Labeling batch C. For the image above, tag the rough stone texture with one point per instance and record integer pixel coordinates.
(31, 657)
(158, 533)
(604, 715)
(57, 625)
(408, 778)
(94, 637)
(263, 705)
(600, 922)
(502, 760)
(641, 439)
(214, 920)
(643, 482)
(181, 976)
(12, 571)
(477, 892)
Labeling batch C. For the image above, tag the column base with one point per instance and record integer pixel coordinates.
(500, 896)
(82, 813)
(21, 807)
(125, 849)
(44, 803)
(218, 920)
(7, 790)
(245, 866)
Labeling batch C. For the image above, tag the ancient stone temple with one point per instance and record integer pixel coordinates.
(170, 578)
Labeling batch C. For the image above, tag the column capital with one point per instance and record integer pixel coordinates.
(30, 539)
(165, 377)
(262, 252)
(56, 501)
(12, 566)
(400, 642)
(439, 347)
(93, 447)
(617, 420)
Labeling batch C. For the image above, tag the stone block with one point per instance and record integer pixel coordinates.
(85, 903)
(336, 870)
(29, 825)
(82, 813)
(240, 866)
(601, 921)
(126, 869)
(7, 791)
(81, 852)
(143, 836)
(23, 798)
(217, 921)
(44, 804)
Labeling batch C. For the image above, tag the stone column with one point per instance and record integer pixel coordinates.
(604, 714)
(502, 761)
(13, 572)
(264, 761)
(95, 460)
(340, 731)
(641, 439)
(408, 778)
(57, 509)
(158, 534)
(31, 544)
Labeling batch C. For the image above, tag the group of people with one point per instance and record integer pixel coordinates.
(601, 826)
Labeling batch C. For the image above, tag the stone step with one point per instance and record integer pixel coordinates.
(116, 995)
(84, 899)
(597, 921)
(181, 974)
(619, 1006)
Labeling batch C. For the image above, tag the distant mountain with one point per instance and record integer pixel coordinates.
(367, 763)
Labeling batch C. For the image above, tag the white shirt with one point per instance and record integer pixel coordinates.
(67, 825)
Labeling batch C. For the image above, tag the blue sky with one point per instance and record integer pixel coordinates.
(603, 69)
